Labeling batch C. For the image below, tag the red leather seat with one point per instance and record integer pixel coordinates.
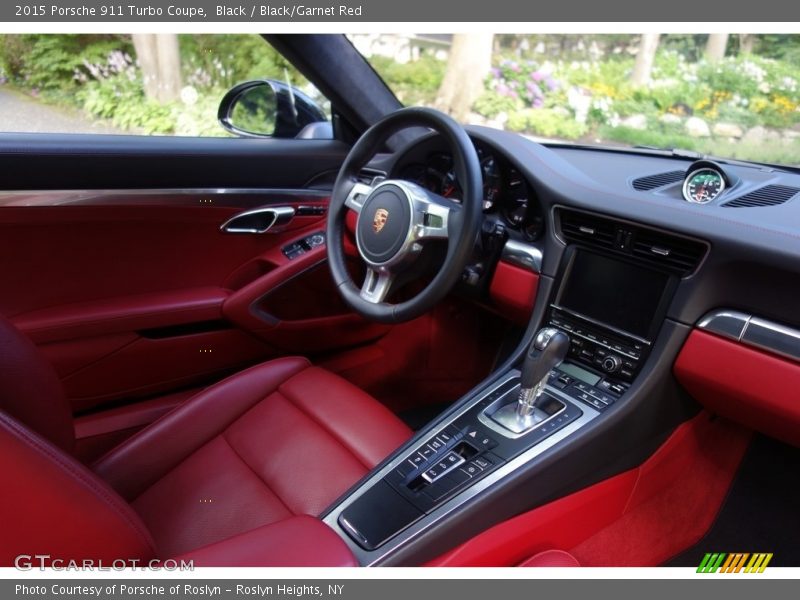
(280, 439)
(551, 558)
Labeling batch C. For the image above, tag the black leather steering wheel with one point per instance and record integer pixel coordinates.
(396, 218)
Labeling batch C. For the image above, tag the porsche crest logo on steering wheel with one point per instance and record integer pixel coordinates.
(379, 220)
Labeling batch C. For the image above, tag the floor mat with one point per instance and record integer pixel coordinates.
(760, 513)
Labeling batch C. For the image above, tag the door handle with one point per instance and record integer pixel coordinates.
(258, 220)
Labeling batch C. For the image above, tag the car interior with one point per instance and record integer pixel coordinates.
(389, 339)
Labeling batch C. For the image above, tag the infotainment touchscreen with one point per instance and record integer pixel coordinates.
(613, 292)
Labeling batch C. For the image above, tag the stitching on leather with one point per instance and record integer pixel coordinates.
(321, 425)
(122, 511)
(258, 476)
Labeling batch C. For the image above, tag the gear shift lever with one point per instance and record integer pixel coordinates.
(547, 351)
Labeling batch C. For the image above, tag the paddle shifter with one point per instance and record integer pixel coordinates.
(547, 351)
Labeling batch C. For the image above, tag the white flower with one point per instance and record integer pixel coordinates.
(189, 95)
(764, 87)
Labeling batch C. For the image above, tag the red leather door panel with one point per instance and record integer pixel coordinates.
(90, 283)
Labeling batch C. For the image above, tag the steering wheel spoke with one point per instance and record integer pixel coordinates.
(376, 285)
(357, 195)
(433, 216)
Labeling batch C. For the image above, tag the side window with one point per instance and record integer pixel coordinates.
(155, 84)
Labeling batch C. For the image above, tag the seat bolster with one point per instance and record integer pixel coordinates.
(54, 506)
(300, 541)
(143, 459)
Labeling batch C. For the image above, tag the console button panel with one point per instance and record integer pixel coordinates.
(450, 461)
(307, 244)
(615, 354)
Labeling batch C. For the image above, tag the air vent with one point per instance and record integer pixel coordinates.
(670, 252)
(651, 182)
(676, 254)
(769, 195)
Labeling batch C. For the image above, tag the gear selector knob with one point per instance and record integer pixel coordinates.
(547, 351)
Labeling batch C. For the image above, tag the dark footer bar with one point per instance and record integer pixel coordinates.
(395, 589)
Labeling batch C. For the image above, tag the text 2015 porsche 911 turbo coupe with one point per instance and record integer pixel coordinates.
(386, 338)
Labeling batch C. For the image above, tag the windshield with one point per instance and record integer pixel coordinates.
(733, 96)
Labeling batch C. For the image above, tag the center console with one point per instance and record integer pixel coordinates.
(605, 312)
(611, 309)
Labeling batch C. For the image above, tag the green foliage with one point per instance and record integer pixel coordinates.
(221, 61)
(546, 122)
(658, 138)
(414, 82)
(490, 104)
(51, 62)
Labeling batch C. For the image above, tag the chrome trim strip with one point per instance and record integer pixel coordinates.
(727, 323)
(773, 337)
(369, 558)
(281, 215)
(523, 255)
(754, 331)
(160, 196)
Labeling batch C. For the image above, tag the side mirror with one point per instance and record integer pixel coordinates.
(270, 108)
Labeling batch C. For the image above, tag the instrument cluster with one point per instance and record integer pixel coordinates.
(506, 193)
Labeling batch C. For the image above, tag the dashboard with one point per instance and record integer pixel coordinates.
(675, 279)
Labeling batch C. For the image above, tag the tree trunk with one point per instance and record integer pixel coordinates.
(644, 59)
(747, 42)
(716, 45)
(159, 59)
(467, 67)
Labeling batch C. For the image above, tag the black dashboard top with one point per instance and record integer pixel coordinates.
(752, 226)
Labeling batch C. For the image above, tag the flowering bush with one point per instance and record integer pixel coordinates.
(528, 82)
(743, 91)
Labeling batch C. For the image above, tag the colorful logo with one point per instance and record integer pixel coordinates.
(737, 562)
(379, 220)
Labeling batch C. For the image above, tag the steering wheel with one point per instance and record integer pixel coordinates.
(396, 218)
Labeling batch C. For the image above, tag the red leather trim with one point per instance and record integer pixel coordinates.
(146, 457)
(153, 366)
(365, 427)
(306, 332)
(238, 308)
(122, 315)
(755, 388)
(551, 558)
(53, 505)
(641, 517)
(513, 291)
(300, 541)
(433, 359)
(30, 390)
(133, 415)
(78, 254)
